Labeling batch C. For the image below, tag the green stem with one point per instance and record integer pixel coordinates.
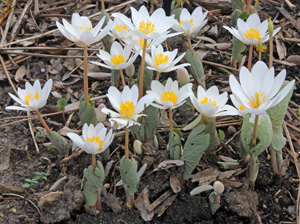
(122, 78)
(43, 122)
(126, 143)
(85, 77)
(250, 57)
(141, 85)
(271, 52)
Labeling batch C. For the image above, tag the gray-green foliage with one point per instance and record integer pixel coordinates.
(115, 77)
(148, 124)
(92, 180)
(194, 148)
(196, 67)
(264, 135)
(236, 4)
(87, 112)
(187, 109)
(61, 104)
(212, 202)
(105, 40)
(58, 141)
(148, 76)
(210, 128)
(129, 174)
(174, 146)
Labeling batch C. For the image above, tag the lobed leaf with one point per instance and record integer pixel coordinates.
(174, 146)
(196, 67)
(58, 141)
(87, 112)
(129, 174)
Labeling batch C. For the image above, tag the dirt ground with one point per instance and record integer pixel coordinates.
(274, 199)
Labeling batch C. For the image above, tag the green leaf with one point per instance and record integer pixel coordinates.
(187, 109)
(106, 39)
(264, 135)
(92, 180)
(196, 67)
(115, 77)
(174, 146)
(148, 76)
(276, 115)
(129, 174)
(61, 104)
(200, 189)
(234, 17)
(210, 128)
(58, 141)
(193, 124)
(176, 11)
(244, 15)
(237, 48)
(236, 4)
(221, 135)
(26, 185)
(87, 112)
(213, 206)
(194, 148)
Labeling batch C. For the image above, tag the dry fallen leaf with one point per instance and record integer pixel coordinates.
(175, 184)
(142, 203)
(281, 49)
(20, 73)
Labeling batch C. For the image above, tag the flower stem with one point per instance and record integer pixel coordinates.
(102, 5)
(94, 160)
(122, 77)
(274, 161)
(252, 170)
(248, 5)
(243, 7)
(234, 63)
(271, 52)
(98, 203)
(43, 122)
(259, 55)
(171, 120)
(250, 57)
(190, 43)
(254, 133)
(85, 78)
(126, 143)
(178, 3)
(157, 75)
(255, 6)
(141, 90)
(129, 198)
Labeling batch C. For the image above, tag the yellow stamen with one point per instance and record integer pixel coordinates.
(159, 59)
(117, 59)
(121, 27)
(88, 28)
(191, 21)
(257, 100)
(147, 27)
(27, 98)
(127, 109)
(169, 96)
(262, 49)
(95, 139)
(252, 34)
(207, 100)
(141, 43)
(242, 107)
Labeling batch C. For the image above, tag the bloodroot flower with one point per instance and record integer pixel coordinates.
(127, 105)
(33, 97)
(259, 89)
(81, 30)
(94, 139)
(252, 30)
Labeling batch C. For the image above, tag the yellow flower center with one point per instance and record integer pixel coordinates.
(169, 96)
(121, 27)
(262, 49)
(127, 109)
(252, 34)
(257, 99)
(95, 139)
(117, 59)
(88, 28)
(147, 27)
(242, 107)
(191, 21)
(141, 43)
(207, 100)
(159, 59)
(27, 98)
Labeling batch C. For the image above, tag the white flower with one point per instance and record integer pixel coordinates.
(120, 31)
(191, 24)
(169, 96)
(32, 97)
(258, 90)
(252, 30)
(127, 105)
(138, 43)
(148, 27)
(163, 61)
(94, 140)
(212, 104)
(118, 58)
(81, 31)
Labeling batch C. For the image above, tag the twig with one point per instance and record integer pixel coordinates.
(48, 55)
(7, 75)
(8, 22)
(290, 5)
(219, 65)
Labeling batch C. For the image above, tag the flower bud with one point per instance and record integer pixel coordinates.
(99, 114)
(270, 27)
(218, 187)
(183, 76)
(137, 146)
(155, 142)
(130, 70)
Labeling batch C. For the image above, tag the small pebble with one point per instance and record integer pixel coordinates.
(276, 200)
(14, 210)
(43, 70)
(291, 210)
(231, 130)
